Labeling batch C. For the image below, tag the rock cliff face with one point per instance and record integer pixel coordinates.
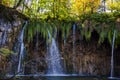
(9, 32)
(89, 58)
(10, 25)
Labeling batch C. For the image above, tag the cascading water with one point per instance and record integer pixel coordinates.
(112, 56)
(73, 59)
(53, 58)
(19, 47)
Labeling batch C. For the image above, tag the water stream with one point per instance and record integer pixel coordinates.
(21, 54)
(112, 56)
(74, 54)
(53, 58)
(20, 49)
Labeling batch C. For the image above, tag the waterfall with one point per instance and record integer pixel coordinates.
(53, 57)
(74, 38)
(19, 48)
(112, 56)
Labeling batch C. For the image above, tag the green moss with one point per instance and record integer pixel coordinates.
(44, 27)
(5, 52)
(103, 23)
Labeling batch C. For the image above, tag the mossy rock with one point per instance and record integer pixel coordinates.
(5, 52)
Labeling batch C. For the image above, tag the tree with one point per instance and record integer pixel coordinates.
(0, 1)
(18, 4)
(83, 6)
(114, 5)
(9, 3)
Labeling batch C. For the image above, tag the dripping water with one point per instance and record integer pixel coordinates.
(74, 38)
(112, 56)
(22, 49)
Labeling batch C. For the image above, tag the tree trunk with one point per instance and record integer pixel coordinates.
(0, 1)
(18, 4)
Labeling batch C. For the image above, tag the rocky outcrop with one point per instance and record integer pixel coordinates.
(2, 64)
(8, 32)
(11, 22)
(89, 58)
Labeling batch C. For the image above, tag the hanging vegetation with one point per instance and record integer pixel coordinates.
(46, 28)
(5, 52)
(103, 23)
(58, 15)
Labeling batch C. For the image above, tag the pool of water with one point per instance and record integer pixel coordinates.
(59, 78)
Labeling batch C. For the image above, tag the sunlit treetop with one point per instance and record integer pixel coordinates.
(114, 5)
(60, 9)
(82, 6)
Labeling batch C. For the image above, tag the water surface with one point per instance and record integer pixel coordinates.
(59, 78)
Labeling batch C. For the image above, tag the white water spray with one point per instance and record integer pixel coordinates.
(21, 53)
(112, 56)
(53, 57)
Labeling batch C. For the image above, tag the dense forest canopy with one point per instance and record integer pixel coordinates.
(102, 16)
(62, 8)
